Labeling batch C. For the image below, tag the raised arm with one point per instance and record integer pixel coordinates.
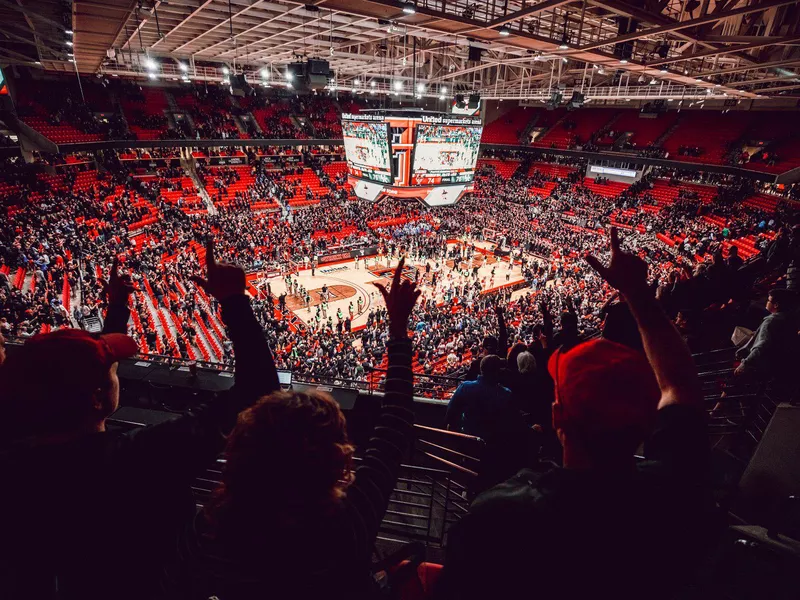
(666, 351)
(117, 290)
(368, 497)
(502, 330)
(256, 375)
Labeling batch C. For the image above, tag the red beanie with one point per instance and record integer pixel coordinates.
(603, 387)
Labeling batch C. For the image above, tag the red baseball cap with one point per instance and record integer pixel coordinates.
(603, 387)
(52, 377)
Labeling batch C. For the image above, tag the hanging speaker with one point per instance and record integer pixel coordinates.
(475, 53)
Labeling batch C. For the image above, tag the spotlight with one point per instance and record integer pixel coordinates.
(441, 96)
(444, 89)
(686, 71)
(68, 42)
(151, 64)
(663, 70)
(653, 81)
(183, 67)
(504, 31)
(356, 82)
(398, 85)
(624, 61)
(564, 59)
(420, 87)
(601, 71)
(372, 84)
(264, 73)
(69, 32)
(641, 79)
(288, 75)
(151, 75)
(331, 50)
(717, 85)
(409, 8)
(225, 70)
(563, 46)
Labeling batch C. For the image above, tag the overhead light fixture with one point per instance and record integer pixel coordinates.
(441, 96)
(288, 75)
(698, 79)
(38, 62)
(69, 32)
(183, 67)
(601, 71)
(505, 31)
(68, 42)
(264, 73)
(663, 70)
(409, 8)
(356, 82)
(372, 91)
(151, 75)
(70, 54)
(563, 46)
(372, 84)
(444, 89)
(72, 60)
(398, 85)
(564, 59)
(653, 81)
(641, 79)
(225, 70)
(185, 79)
(717, 85)
(686, 71)
(331, 50)
(624, 61)
(420, 87)
(419, 96)
(151, 64)
(289, 85)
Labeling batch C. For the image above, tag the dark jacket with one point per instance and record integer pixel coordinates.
(637, 533)
(97, 516)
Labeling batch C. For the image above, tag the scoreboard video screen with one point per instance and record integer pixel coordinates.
(411, 153)
(445, 154)
(366, 146)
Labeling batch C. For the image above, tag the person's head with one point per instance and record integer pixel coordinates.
(569, 321)
(288, 459)
(490, 368)
(526, 362)
(489, 345)
(620, 326)
(606, 398)
(781, 300)
(62, 383)
(733, 251)
(513, 353)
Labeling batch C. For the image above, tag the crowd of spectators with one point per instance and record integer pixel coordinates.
(546, 235)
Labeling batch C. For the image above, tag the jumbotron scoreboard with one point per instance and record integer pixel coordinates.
(411, 154)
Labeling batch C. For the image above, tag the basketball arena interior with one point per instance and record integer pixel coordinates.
(406, 299)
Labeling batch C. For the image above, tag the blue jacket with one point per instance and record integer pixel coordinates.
(479, 408)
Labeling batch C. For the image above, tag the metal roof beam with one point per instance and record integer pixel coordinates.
(678, 25)
(717, 52)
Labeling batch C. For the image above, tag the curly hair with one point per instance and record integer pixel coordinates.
(287, 459)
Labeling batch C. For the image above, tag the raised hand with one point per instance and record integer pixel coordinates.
(399, 301)
(625, 272)
(223, 280)
(118, 288)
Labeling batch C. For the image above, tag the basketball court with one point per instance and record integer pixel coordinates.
(345, 284)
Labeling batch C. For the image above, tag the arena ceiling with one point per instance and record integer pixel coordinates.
(605, 48)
